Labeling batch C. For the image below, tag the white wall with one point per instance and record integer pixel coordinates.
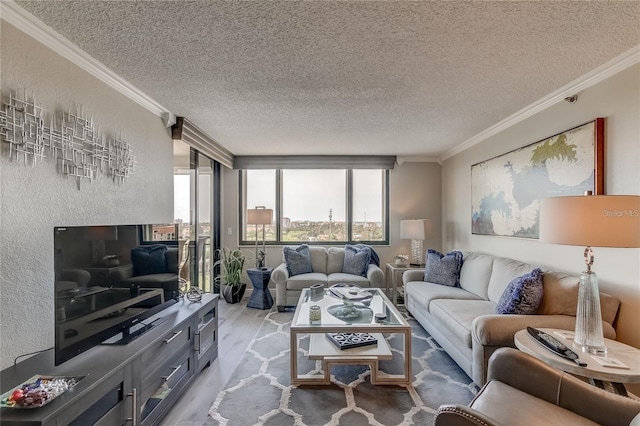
(617, 99)
(35, 199)
(414, 193)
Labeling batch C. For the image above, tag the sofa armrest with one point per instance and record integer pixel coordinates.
(490, 332)
(120, 274)
(461, 415)
(280, 275)
(412, 275)
(530, 375)
(498, 330)
(375, 276)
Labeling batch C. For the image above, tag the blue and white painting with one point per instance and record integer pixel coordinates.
(505, 190)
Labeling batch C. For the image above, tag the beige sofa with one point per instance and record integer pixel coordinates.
(463, 319)
(522, 390)
(327, 266)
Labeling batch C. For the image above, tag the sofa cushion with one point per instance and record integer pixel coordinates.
(523, 295)
(318, 259)
(475, 273)
(443, 268)
(173, 260)
(560, 297)
(504, 270)
(510, 406)
(456, 316)
(149, 259)
(298, 282)
(342, 278)
(424, 293)
(356, 260)
(298, 260)
(335, 260)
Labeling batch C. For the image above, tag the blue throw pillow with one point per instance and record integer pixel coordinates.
(356, 260)
(297, 260)
(523, 295)
(443, 268)
(149, 259)
(375, 259)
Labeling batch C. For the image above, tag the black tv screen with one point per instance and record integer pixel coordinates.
(108, 281)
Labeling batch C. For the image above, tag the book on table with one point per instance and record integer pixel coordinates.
(351, 340)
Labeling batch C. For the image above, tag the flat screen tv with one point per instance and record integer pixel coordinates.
(109, 282)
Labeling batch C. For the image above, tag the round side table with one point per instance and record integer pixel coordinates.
(594, 372)
(260, 296)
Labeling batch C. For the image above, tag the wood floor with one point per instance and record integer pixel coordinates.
(237, 325)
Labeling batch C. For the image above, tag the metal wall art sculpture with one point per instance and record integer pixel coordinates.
(74, 141)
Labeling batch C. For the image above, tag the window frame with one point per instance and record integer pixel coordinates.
(277, 214)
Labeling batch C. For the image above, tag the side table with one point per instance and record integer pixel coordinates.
(393, 271)
(594, 372)
(260, 296)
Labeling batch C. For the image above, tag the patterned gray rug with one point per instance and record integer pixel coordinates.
(259, 391)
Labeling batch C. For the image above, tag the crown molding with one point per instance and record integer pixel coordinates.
(608, 69)
(13, 14)
(416, 159)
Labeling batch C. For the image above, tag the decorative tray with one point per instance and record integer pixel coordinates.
(351, 314)
(38, 391)
(351, 340)
(349, 292)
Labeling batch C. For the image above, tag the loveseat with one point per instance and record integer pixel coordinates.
(327, 266)
(463, 319)
(522, 390)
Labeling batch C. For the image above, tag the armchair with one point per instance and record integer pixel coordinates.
(521, 390)
(151, 267)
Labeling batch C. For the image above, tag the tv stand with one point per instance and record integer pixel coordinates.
(128, 336)
(125, 384)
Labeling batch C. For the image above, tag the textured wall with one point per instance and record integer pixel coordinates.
(35, 199)
(617, 99)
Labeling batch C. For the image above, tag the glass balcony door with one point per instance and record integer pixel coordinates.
(196, 178)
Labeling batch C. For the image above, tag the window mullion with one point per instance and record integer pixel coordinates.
(349, 201)
(278, 206)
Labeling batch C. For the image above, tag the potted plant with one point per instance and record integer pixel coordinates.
(231, 262)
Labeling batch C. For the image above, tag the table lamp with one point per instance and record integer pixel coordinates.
(590, 220)
(416, 230)
(260, 216)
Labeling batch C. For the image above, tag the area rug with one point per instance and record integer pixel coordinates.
(259, 391)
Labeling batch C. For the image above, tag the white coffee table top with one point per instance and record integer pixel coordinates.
(624, 353)
(376, 304)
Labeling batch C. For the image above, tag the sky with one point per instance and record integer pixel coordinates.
(309, 194)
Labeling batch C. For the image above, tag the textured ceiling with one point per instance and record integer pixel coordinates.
(324, 77)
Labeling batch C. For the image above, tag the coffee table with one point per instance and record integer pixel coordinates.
(322, 349)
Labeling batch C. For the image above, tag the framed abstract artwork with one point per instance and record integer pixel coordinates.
(505, 190)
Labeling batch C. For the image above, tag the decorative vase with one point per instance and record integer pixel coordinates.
(401, 262)
(233, 293)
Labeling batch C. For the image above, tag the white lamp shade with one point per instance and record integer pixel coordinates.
(259, 216)
(591, 220)
(415, 229)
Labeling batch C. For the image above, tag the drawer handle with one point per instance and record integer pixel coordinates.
(134, 402)
(175, 370)
(199, 342)
(175, 334)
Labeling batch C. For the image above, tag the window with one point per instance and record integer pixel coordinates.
(369, 205)
(317, 206)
